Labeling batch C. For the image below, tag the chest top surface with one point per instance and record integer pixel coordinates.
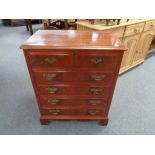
(73, 39)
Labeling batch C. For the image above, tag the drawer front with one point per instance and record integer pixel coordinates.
(49, 59)
(150, 25)
(47, 77)
(98, 77)
(60, 101)
(59, 111)
(92, 59)
(74, 90)
(134, 29)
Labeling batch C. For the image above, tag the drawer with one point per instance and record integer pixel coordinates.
(105, 60)
(51, 59)
(98, 77)
(150, 25)
(118, 32)
(75, 111)
(134, 29)
(52, 101)
(46, 77)
(74, 90)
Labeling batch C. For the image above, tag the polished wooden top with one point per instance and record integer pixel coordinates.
(72, 39)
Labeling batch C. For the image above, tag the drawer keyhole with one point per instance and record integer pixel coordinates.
(96, 60)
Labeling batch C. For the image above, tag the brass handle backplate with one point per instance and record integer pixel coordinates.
(50, 60)
(55, 111)
(98, 77)
(53, 101)
(96, 90)
(96, 60)
(94, 101)
(93, 112)
(52, 90)
(49, 76)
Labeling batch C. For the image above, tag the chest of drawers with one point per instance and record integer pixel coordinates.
(73, 73)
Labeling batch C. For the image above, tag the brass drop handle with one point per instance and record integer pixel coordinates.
(96, 90)
(53, 101)
(55, 111)
(135, 30)
(98, 77)
(94, 102)
(52, 90)
(93, 112)
(49, 76)
(49, 61)
(96, 60)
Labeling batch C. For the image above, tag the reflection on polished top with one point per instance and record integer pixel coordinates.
(72, 39)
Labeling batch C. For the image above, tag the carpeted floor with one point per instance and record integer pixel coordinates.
(132, 110)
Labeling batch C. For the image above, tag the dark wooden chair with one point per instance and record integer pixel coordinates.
(59, 24)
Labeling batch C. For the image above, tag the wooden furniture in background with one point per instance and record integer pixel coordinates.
(29, 26)
(107, 21)
(137, 36)
(59, 23)
(73, 73)
(14, 21)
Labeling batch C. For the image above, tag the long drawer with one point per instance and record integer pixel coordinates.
(74, 90)
(75, 111)
(50, 76)
(106, 60)
(53, 101)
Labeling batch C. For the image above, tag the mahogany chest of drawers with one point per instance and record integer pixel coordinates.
(73, 73)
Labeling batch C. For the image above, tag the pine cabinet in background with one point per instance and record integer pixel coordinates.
(131, 42)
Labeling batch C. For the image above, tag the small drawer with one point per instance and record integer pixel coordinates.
(52, 101)
(51, 59)
(73, 111)
(150, 25)
(74, 90)
(105, 60)
(134, 29)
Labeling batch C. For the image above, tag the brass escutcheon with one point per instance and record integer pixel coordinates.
(96, 60)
